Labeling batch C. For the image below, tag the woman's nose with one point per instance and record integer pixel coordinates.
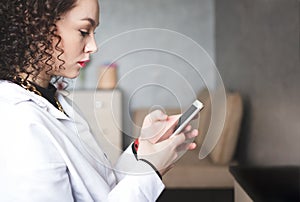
(91, 46)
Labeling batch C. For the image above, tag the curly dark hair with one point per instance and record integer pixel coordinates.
(27, 32)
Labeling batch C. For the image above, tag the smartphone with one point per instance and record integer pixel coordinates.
(187, 116)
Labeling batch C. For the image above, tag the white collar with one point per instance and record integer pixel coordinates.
(15, 94)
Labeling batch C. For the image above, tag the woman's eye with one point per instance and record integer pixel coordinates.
(84, 33)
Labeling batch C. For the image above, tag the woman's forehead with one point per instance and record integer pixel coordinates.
(85, 10)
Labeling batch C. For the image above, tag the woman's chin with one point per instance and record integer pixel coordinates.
(72, 75)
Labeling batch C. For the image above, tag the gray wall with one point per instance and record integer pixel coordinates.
(174, 83)
(257, 53)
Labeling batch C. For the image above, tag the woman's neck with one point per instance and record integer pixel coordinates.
(39, 80)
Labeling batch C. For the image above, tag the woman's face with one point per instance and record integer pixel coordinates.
(76, 29)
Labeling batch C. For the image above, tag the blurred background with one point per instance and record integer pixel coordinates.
(148, 73)
(254, 44)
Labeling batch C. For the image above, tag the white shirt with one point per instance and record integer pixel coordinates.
(48, 156)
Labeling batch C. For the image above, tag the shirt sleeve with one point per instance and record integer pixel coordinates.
(31, 169)
(136, 180)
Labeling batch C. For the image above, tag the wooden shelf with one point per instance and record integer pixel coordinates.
(103, 111)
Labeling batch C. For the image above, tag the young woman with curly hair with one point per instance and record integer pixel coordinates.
(47, 151)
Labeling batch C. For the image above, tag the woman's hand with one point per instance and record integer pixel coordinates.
(157, 126)
(163, 153)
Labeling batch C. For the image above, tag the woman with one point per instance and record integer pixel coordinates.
(46, 153)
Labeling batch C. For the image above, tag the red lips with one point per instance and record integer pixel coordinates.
(83, 63)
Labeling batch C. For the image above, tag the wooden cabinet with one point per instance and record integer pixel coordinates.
(266, 182)
(239, 194)
(103, 111)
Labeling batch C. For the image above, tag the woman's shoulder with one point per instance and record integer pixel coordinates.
(16, 102)
(12, 93)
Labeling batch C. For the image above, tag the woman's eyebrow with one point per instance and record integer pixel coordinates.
(91, 21)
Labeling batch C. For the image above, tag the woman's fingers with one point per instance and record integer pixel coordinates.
(191, 134)
(178, 139)
(157, 115)
(192, 146)
(187, 128)
(186, 146)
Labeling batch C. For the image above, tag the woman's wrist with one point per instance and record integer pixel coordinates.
(135, 147)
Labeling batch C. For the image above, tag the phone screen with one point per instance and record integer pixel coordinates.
(185, 115)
